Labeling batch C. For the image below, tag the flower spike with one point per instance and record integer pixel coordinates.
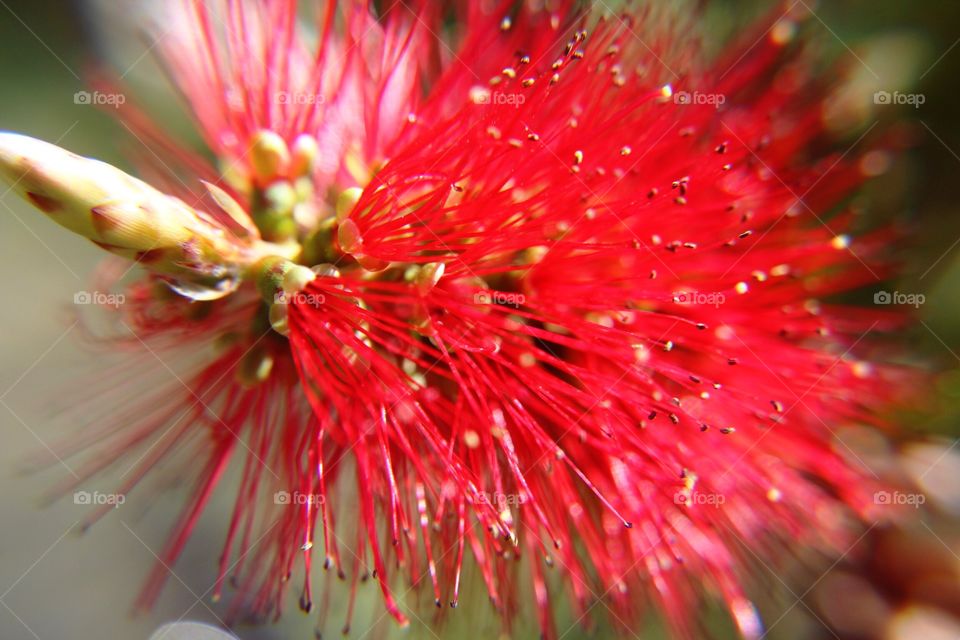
(502, 300)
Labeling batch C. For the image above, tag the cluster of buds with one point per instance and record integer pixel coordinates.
(197, 254)
(279, 186)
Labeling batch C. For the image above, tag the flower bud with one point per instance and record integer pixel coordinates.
(120, 213)
(304, 154)
(269, 156)
(346, 201)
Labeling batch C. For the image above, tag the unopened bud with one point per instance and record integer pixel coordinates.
(296, 278)
(304, 154)
(277, 280)
(120, 213)
(273, 275)
(273, 212)
(269, 156)
(346, 201)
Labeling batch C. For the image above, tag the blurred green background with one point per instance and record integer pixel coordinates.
(55, 584)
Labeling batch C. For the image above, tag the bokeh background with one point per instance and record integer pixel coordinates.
(898, 581)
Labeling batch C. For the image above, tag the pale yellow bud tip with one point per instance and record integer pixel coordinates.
(124, 215)
(346, 201)
(269, 156)
(92, 198)
(305, 150)
(297, 278)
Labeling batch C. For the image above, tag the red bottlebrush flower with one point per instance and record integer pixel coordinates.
(540, 285)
